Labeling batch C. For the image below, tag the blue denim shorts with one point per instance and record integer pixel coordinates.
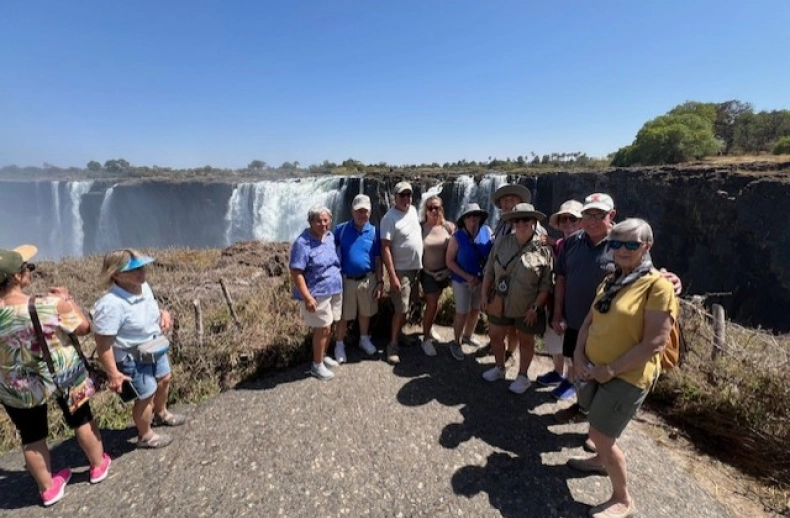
(144, 375)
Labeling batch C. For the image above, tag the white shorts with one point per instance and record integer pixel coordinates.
(552, 340)
(327, 310)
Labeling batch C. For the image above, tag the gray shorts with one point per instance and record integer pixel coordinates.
(612, 405)
(465, 297)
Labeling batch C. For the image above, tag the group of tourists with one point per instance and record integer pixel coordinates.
(604, 312)
(40, 359)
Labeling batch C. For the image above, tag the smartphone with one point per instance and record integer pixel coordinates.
(128, 393)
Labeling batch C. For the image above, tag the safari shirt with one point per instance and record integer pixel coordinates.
(614, 333)
(529, 274)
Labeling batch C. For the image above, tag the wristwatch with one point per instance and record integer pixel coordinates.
(610, 370)
(534, 308)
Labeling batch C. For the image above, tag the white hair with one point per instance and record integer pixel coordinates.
(316, 211)
(632, 228)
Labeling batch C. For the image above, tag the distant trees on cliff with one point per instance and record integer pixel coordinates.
(694, 130)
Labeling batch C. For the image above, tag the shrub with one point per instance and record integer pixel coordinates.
(782, 147)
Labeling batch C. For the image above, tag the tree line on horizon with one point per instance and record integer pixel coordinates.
(690, 131)
(695, 130)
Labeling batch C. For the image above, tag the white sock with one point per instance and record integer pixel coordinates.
(365, 336)
(317, 365)
(340, 342)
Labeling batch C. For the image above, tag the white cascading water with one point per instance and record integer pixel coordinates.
(466, 191)
(76, 191)
(59, 220)
(107, 235)
(277, 210)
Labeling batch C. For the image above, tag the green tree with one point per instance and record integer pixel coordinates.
(256, 165)
(671, 139)
(707, 111)
(727, 115)
(783, 146)
(94, 166)
(118, 165)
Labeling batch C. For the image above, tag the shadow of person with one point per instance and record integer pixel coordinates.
(17, 487)
(515, 477)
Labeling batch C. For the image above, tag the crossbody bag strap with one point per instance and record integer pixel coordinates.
(42, 342)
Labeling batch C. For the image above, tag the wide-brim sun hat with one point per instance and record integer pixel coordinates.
(472, 209)
(523, 210)
(512, 189)
(11, 261)
(568, 208)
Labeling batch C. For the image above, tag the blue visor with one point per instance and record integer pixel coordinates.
(136, 262)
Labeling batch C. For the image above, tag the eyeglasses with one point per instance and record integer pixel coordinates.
(28, 267)
(567, 219)
(616, 244)
(600, 216)
(522, 220)
(404, 194)
(434, 208)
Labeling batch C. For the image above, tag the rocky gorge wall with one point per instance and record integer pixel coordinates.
(717, 227)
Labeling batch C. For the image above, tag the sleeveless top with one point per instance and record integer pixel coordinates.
(472, 253)
(434, 242)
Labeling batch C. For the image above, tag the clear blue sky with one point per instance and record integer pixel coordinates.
(193, 83)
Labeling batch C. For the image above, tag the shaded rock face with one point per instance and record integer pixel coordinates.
(718, 228)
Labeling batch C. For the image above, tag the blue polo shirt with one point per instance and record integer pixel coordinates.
(319, 263)
(358, 249)
(131, 319)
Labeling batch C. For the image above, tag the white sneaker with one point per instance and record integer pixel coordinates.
(521, 384)
(428, 348)
(340, 353)
(367, 345)
(319, 370)
(329, 362)
(494, 373)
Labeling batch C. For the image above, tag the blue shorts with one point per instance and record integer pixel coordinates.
(144, 375)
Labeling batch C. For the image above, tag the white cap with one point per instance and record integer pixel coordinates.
(361, 201)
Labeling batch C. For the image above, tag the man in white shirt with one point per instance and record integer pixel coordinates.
(401, 252)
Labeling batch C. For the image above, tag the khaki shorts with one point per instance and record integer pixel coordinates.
(536, 329)
(327, 310)
(408, 282)
(612, 405)
(465, 297)
(358, 297)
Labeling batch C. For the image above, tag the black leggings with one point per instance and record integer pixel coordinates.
(32, 423)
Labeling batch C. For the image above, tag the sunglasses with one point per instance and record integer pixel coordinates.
(616, 244)
(404, 194)
(434, 208)
(567, 219)
(599, 216)
(522, 220)
(28, 267)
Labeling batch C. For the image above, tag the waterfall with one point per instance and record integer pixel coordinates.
(54, 243)
(107, 235)
(76, 236)
(277, 210)
(466, 190)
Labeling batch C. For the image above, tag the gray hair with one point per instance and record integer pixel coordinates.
(316, 211)
(632, 228)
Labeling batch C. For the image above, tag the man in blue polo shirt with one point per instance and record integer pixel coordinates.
(359, 248)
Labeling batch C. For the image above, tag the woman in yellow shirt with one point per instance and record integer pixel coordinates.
(618, 353)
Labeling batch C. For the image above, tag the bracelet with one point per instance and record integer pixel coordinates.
(534, 307)
(610, 370)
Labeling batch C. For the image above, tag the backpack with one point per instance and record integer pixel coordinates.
(676, 347)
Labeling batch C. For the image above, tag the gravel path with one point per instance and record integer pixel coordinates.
(428, 437)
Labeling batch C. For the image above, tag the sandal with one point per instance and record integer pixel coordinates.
(154, 441)
(168, 419)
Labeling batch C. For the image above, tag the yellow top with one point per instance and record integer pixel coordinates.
(616, 332)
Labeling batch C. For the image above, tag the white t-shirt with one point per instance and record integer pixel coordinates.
(404, 232)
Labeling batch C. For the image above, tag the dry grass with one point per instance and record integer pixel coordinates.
(734, 402)
(746, 159)
(268, 337)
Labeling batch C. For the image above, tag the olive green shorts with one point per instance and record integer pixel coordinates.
(611, 405)
(518, 323)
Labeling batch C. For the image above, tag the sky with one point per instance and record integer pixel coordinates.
(194, 83)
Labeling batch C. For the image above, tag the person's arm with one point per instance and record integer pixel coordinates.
(165, 320)
(558, 318)
(450, 259)
(580, 360)
(115, 378)
(297, 276)
(677, 284)
(389, 264)
(66, 305)
(658, 325)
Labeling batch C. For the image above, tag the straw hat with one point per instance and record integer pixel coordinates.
(512, 189)
(568, 208)
(523, 210)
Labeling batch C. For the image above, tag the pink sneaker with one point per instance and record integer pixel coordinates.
(100, 472)
(55, 493)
